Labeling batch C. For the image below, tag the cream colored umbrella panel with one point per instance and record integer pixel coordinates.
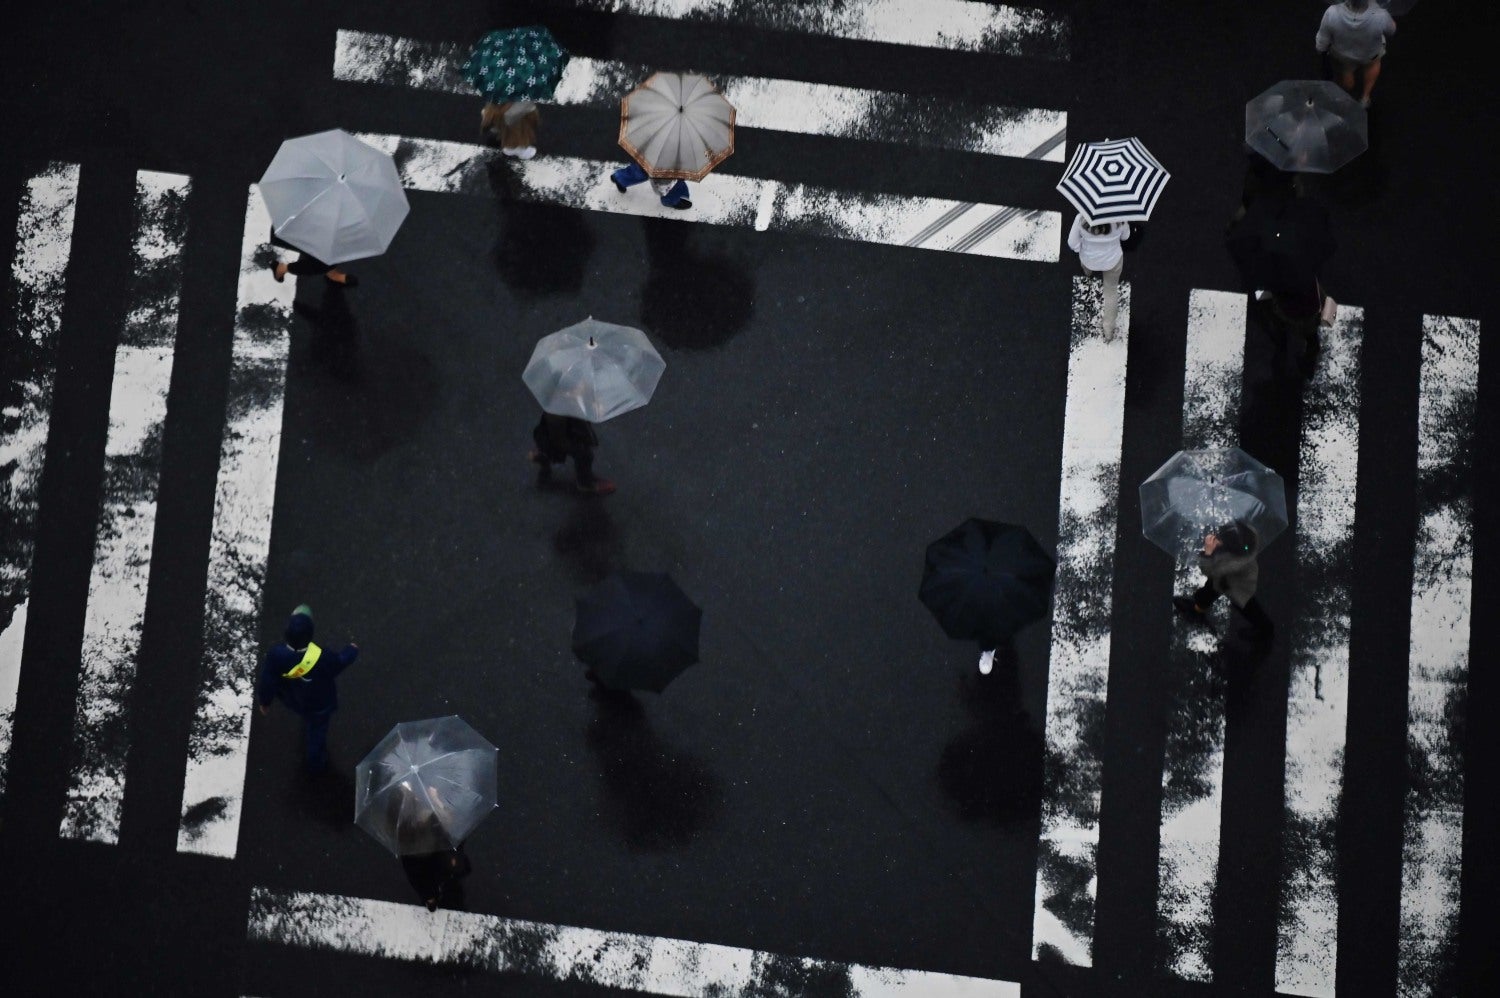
(677, 125)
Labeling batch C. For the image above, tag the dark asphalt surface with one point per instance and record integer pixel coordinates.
(834, 780)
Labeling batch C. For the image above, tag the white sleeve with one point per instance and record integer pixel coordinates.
(1075, 234)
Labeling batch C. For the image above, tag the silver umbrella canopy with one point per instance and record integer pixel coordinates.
(426, 786)
(1306, 126)
(334, 197)
(1198, 491)
(593, 370)
(677, 125)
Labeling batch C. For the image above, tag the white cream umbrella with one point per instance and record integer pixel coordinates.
(676, 125)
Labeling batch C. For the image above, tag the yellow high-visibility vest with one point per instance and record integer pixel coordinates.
(309, 659)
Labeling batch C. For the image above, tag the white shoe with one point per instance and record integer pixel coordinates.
(986, 662)
(526, 153)
(1262, 295)
(510, 152)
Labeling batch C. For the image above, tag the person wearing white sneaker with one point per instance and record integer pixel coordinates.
(1353, 33)
(986, 661)
(512, 124)
(1100, 255)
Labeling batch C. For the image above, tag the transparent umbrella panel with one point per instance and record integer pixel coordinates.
(593, 370)
(1306, 126)
(1198, 491)
(426, 786)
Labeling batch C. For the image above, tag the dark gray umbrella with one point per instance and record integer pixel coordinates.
(637, 630)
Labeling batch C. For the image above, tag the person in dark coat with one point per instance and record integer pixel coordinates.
(306, 265)
(1229, 569)
(301, 675)
(437, 877)
(561, 437)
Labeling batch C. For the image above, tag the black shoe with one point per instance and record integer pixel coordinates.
(618, 186)
(683, 205)
(349, 281)
(1189, 609)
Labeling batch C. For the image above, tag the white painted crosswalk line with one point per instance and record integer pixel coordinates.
(127, 516)
(1318, 699)
(961, 25)
(1193, 770)
(729, 199)
(1438, 678)
(1078, 669)
(214, 785)
(777, 105)
(620, 960)
(44, 240)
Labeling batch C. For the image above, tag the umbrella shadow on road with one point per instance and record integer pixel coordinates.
(692, 299)
(992, 770)
(661, 797)
(542, 249)
(589, 542)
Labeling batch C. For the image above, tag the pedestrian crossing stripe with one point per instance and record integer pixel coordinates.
(771, 104)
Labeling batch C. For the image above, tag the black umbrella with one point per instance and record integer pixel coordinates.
(637, 630)
(985, 580)
(1282, 243)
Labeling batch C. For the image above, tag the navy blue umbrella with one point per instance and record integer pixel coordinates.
(637, 630)
(984, 581)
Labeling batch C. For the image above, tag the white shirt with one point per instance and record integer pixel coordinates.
(1098, 252)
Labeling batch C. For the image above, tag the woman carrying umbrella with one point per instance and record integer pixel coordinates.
(512, 70)
(677, 128)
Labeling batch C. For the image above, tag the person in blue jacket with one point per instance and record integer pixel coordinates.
(302, 675)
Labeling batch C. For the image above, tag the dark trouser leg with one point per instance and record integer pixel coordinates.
(1257, 616)
(1204, 597)
(583, 465)
(305, 265)
(544, 445)
(317, 740)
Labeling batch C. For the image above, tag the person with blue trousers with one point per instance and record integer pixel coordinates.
(302, 675)
(672, 194)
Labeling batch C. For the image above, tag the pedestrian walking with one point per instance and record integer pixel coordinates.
(1299, 314)
(301, 674)
(307, 265)
(561, 437)
(513, 124)
(1353, 34)
(1101, 255)
(1228, 563)
(673, 193)
(437, 877)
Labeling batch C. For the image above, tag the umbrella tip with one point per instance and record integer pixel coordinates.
(592, 344)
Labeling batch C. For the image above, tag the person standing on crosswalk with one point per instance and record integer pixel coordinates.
(1101, 255)
(301, 674)
(673, 193)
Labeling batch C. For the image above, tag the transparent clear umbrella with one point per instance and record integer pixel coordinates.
(593, 370)
(1306, 126)
(1197, 491)
(333, 196)
(426, 786)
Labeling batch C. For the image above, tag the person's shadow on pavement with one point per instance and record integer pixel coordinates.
(661, 797)
(324, 797)
(692, 300)
(589, 542)
(992, 770)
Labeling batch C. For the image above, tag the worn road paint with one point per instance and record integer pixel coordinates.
(729, 199)
(959, 25)
(619, 960)
(1318, 698)
(1192, 782)
(44, 240)
(1078, 669)
(776, 105)
(214, 786)
(127, 516)
(1438, 677)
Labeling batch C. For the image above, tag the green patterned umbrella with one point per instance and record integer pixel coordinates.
(516, 64)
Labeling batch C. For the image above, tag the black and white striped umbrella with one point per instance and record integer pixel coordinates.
(1113, 181)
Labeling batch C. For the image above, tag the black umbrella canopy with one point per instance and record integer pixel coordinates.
(1282, 243)
(984, 581)
(637, 630)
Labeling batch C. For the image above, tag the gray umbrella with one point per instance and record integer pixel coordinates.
(593, 370)
(677, 125)
(1306, 126)
(1197, 491)
(426, 786)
